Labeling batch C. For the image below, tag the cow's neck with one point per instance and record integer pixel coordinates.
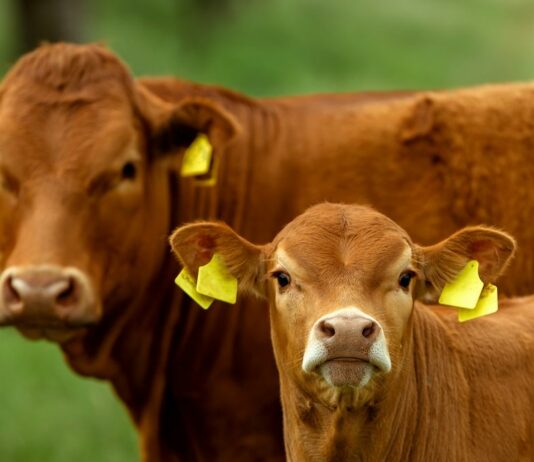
(401, 422)
(144, 347)
(133, 344)
(129, 344)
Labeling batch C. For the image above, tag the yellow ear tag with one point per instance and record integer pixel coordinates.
(214, 280)
(488, 303)
(197, 157)
(465, 290)
(210, 179)
(186, 282)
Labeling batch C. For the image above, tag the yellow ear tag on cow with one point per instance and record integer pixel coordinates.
(187, 283)
(488, 303)
(465, 290)
(197, 157)
(214, 280)
(210, 179)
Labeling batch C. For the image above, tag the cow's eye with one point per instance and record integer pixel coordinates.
(405, 278)
(282, 278)
(129, 171)
(9, 183)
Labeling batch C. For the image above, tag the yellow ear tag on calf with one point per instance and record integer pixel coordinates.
(487, 303)
(186, 282)
(465, 290)
(197, 157)
(214, 280)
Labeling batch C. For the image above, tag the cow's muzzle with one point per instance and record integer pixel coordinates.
(47, 297)
(346, 348)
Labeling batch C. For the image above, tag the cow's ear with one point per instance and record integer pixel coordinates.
(441, 263)
(172, 126)
(195, 244)
(419, 121)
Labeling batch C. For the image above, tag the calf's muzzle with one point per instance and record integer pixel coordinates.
(47, 296)
(346, 347)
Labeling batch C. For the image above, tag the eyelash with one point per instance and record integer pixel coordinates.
(283, 278)
(411, 274)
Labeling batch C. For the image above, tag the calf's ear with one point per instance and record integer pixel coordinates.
(195, 244)
(172, 126)
(441, 263)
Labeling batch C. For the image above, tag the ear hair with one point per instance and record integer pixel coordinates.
(442, 262)
(207, 116)
(173, 126)
(195, 244)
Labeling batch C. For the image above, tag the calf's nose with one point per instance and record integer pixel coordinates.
(347, 329)
(57, 294)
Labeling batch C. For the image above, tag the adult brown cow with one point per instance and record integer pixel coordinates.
(87, 200)
(89, 192)
(366, 373)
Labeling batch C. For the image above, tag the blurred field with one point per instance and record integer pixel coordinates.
(49, 414)
(265, 47)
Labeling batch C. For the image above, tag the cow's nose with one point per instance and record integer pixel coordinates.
(39, 289)
(347, 328)
(56, 294)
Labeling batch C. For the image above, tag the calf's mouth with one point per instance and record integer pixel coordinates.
(346, 371)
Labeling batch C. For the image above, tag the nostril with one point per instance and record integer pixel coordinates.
(326, 329)
(10, 294)
(68, 294)
(369, 330)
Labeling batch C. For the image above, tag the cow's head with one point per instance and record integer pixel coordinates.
(85, 167)
(341, 282)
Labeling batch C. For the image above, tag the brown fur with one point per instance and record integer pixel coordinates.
(455, 158)
(187, 376)
(63, 201)
(459, 392)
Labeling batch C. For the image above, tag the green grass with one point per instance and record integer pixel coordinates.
(262, 47)
(47, 413)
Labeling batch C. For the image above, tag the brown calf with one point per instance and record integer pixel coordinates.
(368, 373)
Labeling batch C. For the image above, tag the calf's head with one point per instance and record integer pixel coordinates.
(85, 172)
(341, 281)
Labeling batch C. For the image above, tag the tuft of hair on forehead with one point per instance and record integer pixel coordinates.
(342, 231)
(340, 220)
(68, 67)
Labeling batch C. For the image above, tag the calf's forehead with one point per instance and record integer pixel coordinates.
(340, 240)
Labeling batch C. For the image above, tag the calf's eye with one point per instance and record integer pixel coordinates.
(282, 278)
(405, 278)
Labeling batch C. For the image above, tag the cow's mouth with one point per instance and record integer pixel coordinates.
(50, 320)
(347, 371)
(54, 334)
(48, 327)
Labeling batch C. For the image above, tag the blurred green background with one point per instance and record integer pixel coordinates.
(261, 47)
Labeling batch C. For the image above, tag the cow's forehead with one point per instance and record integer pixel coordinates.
(94, 126)
(63, 94)
(88, 135)
(341, 238)
(67, 68)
